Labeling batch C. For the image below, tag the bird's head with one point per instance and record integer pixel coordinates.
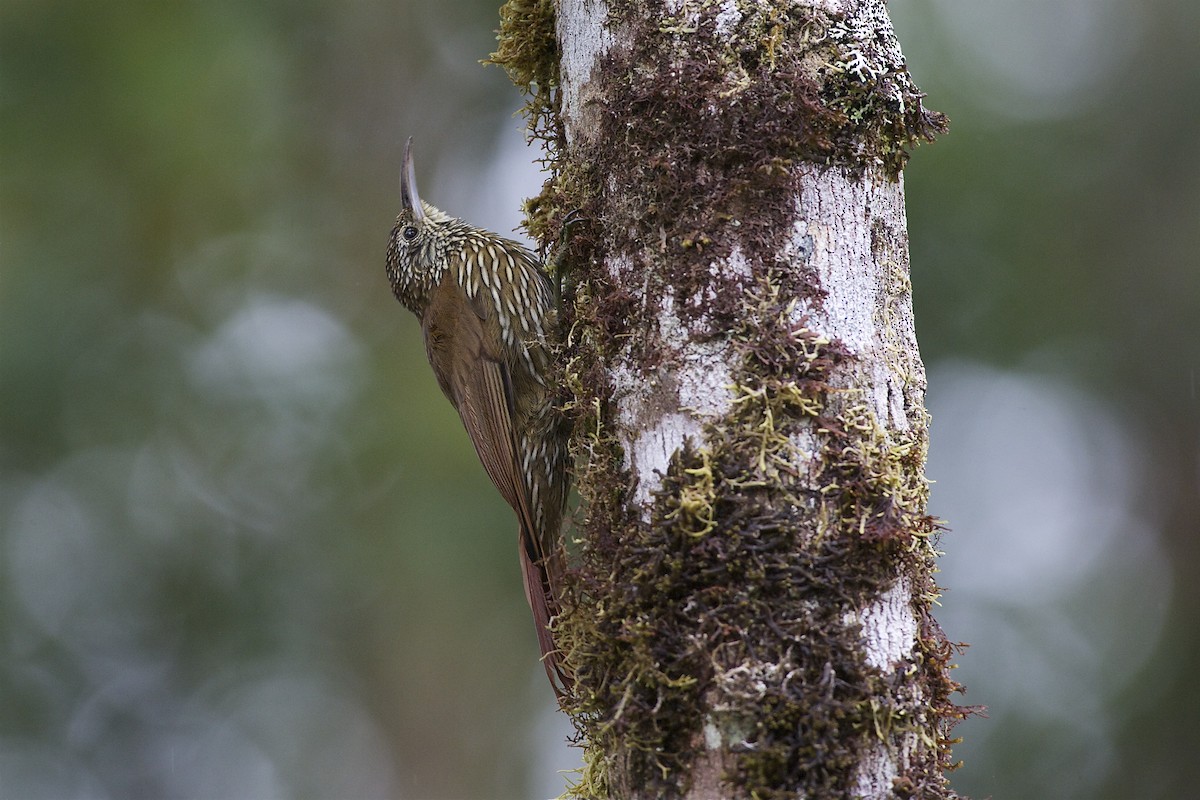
(416, 256)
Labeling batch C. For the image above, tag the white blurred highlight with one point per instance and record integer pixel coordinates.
(1052, 567)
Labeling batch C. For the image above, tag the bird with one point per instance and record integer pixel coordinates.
(487, 311)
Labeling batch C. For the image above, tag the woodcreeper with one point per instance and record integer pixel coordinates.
(486, 308)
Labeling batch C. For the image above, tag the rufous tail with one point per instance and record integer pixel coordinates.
(543, 602)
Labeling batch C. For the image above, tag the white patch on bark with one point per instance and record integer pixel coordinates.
(864, 30)
(728, 17)
(705, 379)
(737, 264)
(649, 429)
(876, 771)
(841, 249)
(889, 628)
(889, 634)
(584, 38)
(649, 451)
(857, 266)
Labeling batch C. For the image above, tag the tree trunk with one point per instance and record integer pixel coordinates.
(750, 616)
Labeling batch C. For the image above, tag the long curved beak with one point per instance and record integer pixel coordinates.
(408, 185)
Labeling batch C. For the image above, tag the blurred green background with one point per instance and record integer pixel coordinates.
(245, 548)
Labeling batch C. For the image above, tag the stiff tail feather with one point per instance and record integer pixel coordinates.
(543, 602)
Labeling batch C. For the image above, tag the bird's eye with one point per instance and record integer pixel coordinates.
(409, 233)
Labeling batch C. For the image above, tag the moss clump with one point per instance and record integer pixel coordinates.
(874, 481)
(527, 49)
(864, 79)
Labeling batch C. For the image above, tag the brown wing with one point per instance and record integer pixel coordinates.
(478, 383)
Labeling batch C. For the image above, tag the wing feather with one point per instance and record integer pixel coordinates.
(478, 383)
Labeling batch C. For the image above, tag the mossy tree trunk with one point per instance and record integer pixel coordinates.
(750, 616)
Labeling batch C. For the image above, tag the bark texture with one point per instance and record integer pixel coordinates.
(750, 616)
